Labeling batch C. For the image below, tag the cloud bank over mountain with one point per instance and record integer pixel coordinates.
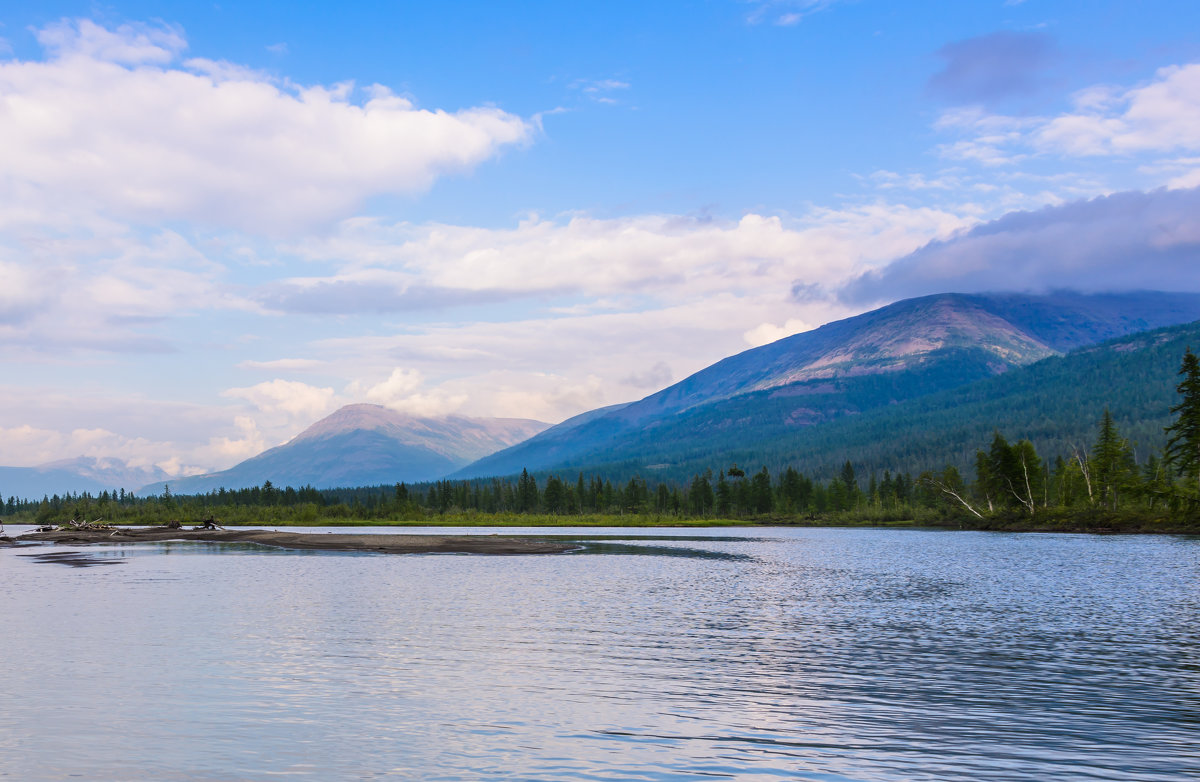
(1125, 241)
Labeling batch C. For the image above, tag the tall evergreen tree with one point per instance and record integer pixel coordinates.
(1111, 460)
(1183, 444)
(761, 497)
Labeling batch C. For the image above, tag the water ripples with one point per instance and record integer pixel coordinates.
(805, 654)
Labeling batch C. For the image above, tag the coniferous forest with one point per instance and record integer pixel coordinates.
(1096, 486)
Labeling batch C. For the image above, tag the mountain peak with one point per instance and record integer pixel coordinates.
(895, 336)
(357, 416)
(367, 445)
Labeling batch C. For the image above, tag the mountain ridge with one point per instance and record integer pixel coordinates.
(905, 350)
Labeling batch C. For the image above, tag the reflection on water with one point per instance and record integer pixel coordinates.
(74, 558)
(818, 654)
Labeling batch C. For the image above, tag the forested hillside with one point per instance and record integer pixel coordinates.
(1055, 403)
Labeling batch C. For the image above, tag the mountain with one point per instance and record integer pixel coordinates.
(1056, 403)
(84, 474)
(367, 445)
(754, 402)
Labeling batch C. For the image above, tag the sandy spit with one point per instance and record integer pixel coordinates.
(382, 543)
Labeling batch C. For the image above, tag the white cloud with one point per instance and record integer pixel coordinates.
(130, 44)
(401, 391)
(608, 308)
(102, 288)
(668, 256)
(1161, 116)
(289, 397)
(766, 333)
(113, 123)
(227, 450)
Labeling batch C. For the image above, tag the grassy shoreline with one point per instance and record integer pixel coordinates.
(1090, 521)
(1076, 520)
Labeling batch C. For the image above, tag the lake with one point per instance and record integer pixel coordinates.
(741, 653)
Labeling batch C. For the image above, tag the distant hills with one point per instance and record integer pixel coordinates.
(770, 405)
(366, 445)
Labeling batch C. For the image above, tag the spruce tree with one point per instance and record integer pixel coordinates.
(1183, 444)
(1111, 460)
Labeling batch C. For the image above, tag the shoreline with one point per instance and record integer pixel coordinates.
(328, 541)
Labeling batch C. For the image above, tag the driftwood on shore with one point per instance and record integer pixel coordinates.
(381, 543)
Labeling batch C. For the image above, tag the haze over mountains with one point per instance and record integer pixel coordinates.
(365, 445)
(82, 474)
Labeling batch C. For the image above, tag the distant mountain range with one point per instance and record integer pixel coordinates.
(758, 406)
(367, 445)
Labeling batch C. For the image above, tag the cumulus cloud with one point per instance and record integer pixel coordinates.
(989, 68)
(129, 44)
(766, 333)
(403, 390)
(112, 121)
(1161, 116)
(1125, 241)
(668, 256)
(289, 397)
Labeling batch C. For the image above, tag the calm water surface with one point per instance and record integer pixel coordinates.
(822, 654)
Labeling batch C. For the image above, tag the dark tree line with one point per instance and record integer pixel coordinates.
(1107, 475)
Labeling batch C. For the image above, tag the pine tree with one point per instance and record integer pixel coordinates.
(760, 492)
(1183, 445)
(724, 497)
(1111, 460)
(527, 493)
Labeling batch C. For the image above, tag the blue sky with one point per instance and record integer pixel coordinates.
(219, 222)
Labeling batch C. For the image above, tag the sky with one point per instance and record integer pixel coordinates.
(220, 222)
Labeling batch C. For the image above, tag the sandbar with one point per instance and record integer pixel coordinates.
(380, 543)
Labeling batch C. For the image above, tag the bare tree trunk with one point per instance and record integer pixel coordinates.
(951, 493)
(1027, 503)
(1087, 476)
